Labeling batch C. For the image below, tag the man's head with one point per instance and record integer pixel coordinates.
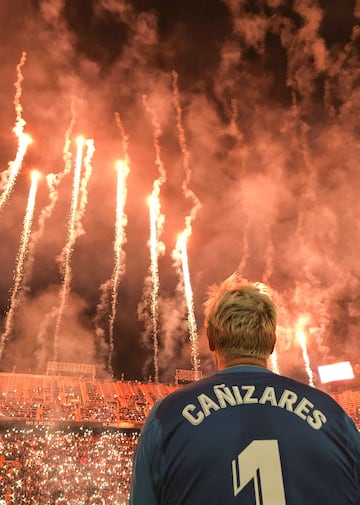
(240, 321)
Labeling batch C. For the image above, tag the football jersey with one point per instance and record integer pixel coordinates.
(247, 436)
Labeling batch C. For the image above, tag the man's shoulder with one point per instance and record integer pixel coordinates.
(258, 379)
(186, 391)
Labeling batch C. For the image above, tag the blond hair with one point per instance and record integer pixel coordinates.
(240, 319)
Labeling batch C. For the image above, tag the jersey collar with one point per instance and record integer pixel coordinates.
(243, 368)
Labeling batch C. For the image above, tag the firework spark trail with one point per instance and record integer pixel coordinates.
(235, 131)
(20, 260)
(157, 247)
(155, 284)
(53, 181)
(307, 201)
(120, 225)
(186, 157)
(179, 254)
(8, 177)
(90, 149)
(274, 361)
(110, 287)
(124, 139)
(181, 246)
(68, 249)
(246, 219)
(300, 333)
(120, 239)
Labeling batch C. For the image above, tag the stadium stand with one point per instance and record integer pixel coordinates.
(350, 401)
(69, 438)
(84, 400)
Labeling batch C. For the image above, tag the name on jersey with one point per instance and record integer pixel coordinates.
(231, 396)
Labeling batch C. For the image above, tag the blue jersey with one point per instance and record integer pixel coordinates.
(247, 436)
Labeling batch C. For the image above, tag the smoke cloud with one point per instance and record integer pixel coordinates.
(269, 101)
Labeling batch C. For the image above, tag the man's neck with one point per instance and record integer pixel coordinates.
(246, 360)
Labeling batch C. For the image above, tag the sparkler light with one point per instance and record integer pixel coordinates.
(53, 181)
(181, 247)
(301, 336)
(120, 239)
(110, 288)
(18, 275)
(154, 209)
(8, 177)
(74, 227)
(179, 254)
(156, 247)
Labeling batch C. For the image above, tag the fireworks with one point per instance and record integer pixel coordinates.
(120, 238)
(8, 177)
(74, 227)
(180, 252)
(181, 249)
(156, 247)
(24, 240)
(300, 333)
(151, 311)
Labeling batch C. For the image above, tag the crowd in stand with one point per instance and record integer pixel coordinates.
(96, 411)
(84, 467)
(78, 465)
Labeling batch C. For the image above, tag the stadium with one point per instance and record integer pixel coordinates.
(147, 153)
(69, 438)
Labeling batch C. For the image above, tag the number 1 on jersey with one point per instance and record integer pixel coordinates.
(260, 462)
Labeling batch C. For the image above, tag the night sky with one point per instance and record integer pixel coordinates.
(268, 168)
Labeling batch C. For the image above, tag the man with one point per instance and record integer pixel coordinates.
(246, 435)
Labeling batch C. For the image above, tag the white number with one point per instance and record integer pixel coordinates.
(260, 462)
